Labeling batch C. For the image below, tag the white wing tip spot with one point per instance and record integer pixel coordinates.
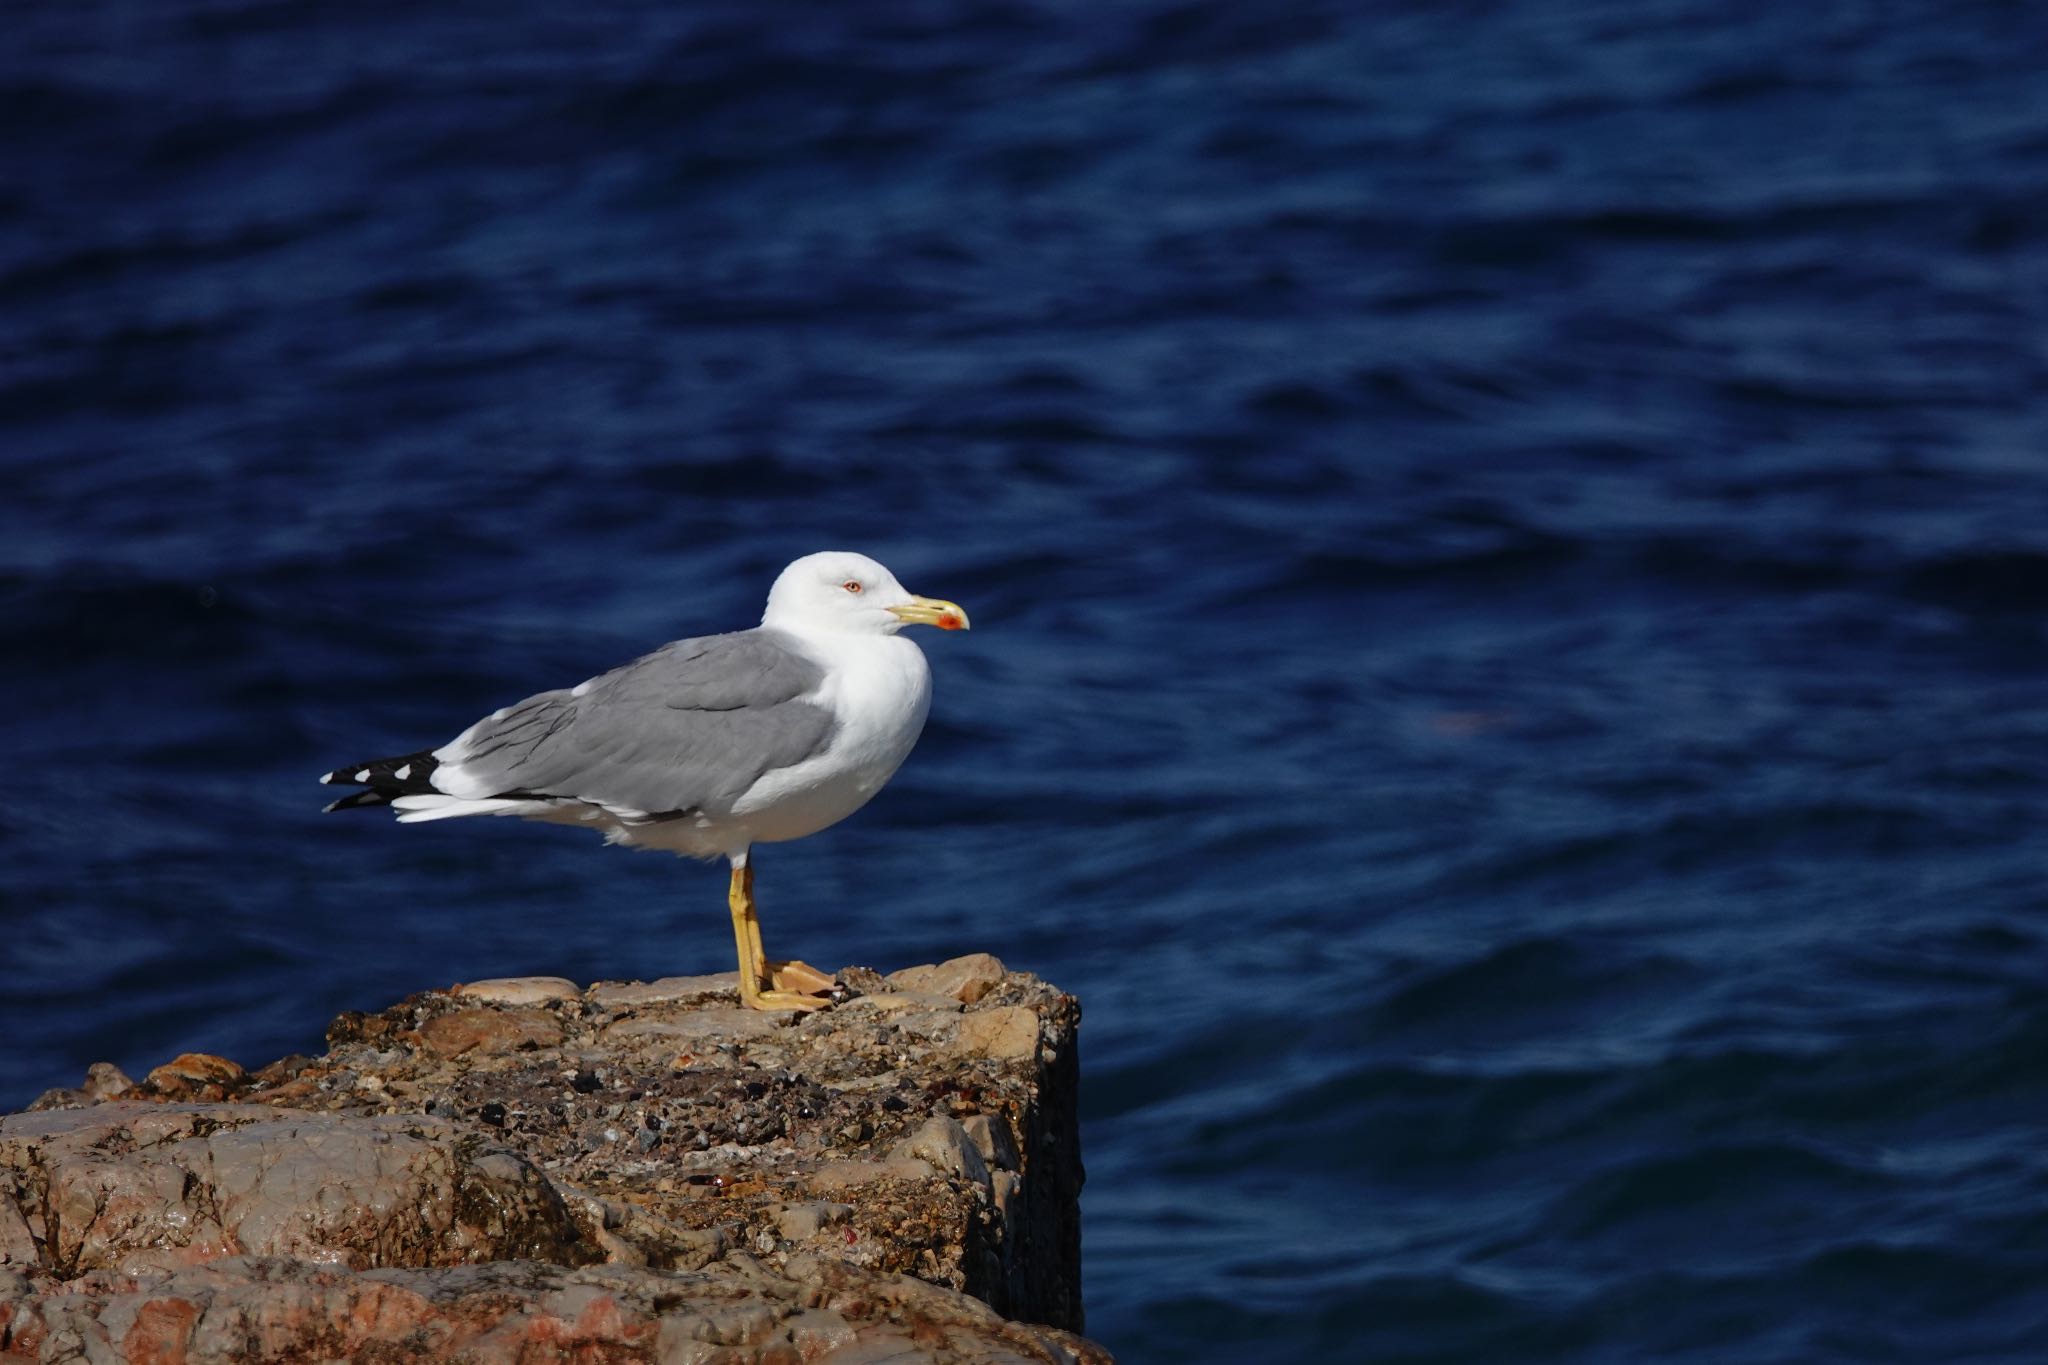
(402, 772)
(363, 776)
(328, 779)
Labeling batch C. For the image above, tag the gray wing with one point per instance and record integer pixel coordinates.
(689, 727)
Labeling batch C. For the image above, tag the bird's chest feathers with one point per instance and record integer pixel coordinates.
(879, 692)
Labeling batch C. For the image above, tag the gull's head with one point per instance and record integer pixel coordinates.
(850, 593)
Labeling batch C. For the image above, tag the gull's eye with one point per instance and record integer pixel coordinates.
(851, 585)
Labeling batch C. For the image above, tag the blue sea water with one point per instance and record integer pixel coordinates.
(1508, 543)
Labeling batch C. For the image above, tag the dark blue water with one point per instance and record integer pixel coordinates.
(1508, 545)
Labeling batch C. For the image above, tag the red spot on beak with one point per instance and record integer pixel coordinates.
(949, 622)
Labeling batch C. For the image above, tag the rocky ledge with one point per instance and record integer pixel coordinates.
(524, 1170)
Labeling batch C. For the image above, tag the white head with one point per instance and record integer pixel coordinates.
(838, 590)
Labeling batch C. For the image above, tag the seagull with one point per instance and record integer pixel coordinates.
(707, 746)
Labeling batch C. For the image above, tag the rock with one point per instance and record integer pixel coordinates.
(903, 1002)
(966, 979)
(490, 1030)
(669, 990)
(196, 1075)
(17, 1239)
(104, 1081)
(944, 1145)
(817, 1334)
(521, 990)
(282, 1070)
(650, 1127)
(246, 1308)
(991, 1137)
(1008, 1033)
(846, 1175)
(200, 1068)
(712, 1024)
(807, 1219)
(1003, 1187)
(130, 1186)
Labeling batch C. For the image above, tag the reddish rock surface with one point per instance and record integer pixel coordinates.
(525, 1171)
(130, 1186)
(740, 1312)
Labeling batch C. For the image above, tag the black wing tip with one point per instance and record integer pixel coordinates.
(362, 798)
(383, 779)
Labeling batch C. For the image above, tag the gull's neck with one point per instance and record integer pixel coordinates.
(813, 631)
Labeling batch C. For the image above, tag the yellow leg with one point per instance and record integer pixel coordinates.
(795, 986)
(746, 930)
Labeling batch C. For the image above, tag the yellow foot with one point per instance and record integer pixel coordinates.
(792, 986)
(788, 1000)
(801, 977)
(768, 985)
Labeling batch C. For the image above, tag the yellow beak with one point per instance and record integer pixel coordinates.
(931, 611)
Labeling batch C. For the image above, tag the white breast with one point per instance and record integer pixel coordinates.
(880, 689)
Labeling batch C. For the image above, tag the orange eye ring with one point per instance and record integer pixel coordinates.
(852, 585)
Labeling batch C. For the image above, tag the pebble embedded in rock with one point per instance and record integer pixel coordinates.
(521, 990)
(944, 1145)
(801, 1221)
(890, 1003)
(196, 1075)
(966, 979)
(1006, 1033)
(104, 1080)
(200, 1066)
(491, 1031)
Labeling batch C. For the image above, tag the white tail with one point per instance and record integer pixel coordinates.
(413, 809)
